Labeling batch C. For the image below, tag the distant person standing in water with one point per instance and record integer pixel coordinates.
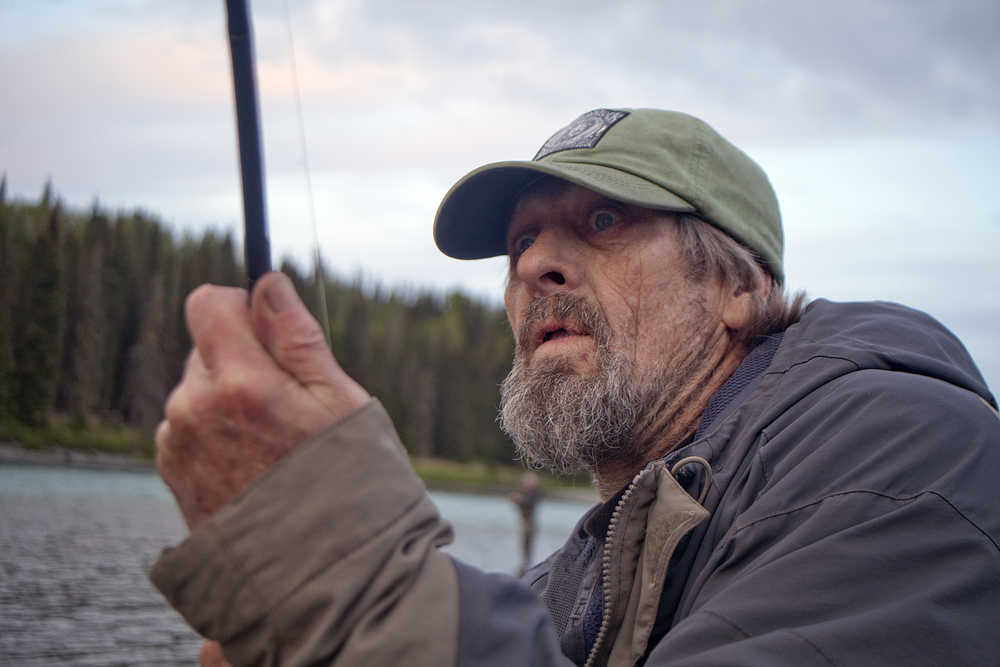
(526, 498)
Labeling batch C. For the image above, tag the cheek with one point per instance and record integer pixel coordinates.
(625, 296)
(510, 305)
(645, 303)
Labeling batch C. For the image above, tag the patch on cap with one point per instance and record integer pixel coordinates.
(584, 132)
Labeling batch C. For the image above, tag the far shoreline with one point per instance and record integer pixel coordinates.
(12, 453)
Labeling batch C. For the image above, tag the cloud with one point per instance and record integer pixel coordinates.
(845, 68)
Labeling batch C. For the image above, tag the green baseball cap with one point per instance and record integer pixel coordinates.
(663, 160)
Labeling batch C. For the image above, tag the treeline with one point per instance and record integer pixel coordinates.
(92, 330)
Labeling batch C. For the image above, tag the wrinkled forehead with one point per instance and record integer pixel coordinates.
(546, 192)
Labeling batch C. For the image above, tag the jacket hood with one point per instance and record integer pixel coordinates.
(880, 335)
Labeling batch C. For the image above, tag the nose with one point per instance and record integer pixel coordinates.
(550, 264)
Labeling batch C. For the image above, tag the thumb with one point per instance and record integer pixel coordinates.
(293, 338)
(289, 332)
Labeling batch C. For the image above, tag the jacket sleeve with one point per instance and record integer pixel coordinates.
(332, 557)
(871, 539)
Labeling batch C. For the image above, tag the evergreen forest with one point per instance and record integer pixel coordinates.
(92, 332)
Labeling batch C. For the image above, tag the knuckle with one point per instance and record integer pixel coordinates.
(198, 298)
(236, 391)
(177, 406)
(305, 339)
(207, 301)
(309, 365)
(191, 361)
(163, 456)
(162, 436)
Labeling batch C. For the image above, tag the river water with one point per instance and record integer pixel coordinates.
(75, 546)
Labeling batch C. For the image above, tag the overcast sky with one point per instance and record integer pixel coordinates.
(878, 122)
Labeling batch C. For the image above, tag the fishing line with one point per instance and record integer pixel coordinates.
(319, 278)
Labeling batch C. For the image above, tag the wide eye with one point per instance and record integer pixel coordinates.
(520, 244)
(601, 220)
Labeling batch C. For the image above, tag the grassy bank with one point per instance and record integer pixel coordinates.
(89, 438)
(492, 478)
(65, 443)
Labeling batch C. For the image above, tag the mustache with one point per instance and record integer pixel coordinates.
(573, 309)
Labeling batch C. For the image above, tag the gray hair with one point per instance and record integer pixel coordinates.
(711, 254)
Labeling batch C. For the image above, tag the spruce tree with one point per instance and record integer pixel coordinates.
(88, 370)
(39, 331)
(7, 378)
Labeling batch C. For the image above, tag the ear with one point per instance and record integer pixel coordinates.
(736, 311)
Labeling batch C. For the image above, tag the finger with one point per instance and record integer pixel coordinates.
(193, 363)
(194, 367)
(187, 402)
(295, 341)
(219, 322)
(182, 399)
(167, 462)
(162, 441)
(289, 332)
(211, 655)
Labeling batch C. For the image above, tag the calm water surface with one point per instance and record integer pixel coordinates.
(75, 546)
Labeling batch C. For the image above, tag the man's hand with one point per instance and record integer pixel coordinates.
(211, 655)
(259, 381)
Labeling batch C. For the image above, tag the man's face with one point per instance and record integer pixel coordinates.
(607, 326)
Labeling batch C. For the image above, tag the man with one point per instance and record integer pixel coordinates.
(525, 499)
(782, 486)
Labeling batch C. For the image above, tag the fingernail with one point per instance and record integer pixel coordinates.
(280, 295)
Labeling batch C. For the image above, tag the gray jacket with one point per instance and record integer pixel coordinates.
(850, 519)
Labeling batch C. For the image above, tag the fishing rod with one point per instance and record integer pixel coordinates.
(256, 243)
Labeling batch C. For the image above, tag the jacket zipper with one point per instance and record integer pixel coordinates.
(606, 568)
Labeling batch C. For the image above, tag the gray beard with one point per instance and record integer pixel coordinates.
(559, 419)
(564, 421)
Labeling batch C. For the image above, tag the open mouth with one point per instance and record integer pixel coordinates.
(555, 331)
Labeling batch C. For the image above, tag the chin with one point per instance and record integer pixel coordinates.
(562, 364)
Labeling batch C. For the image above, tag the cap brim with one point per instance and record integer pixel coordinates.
(471, 222)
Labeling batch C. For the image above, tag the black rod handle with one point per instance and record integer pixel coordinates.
(256, 244)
